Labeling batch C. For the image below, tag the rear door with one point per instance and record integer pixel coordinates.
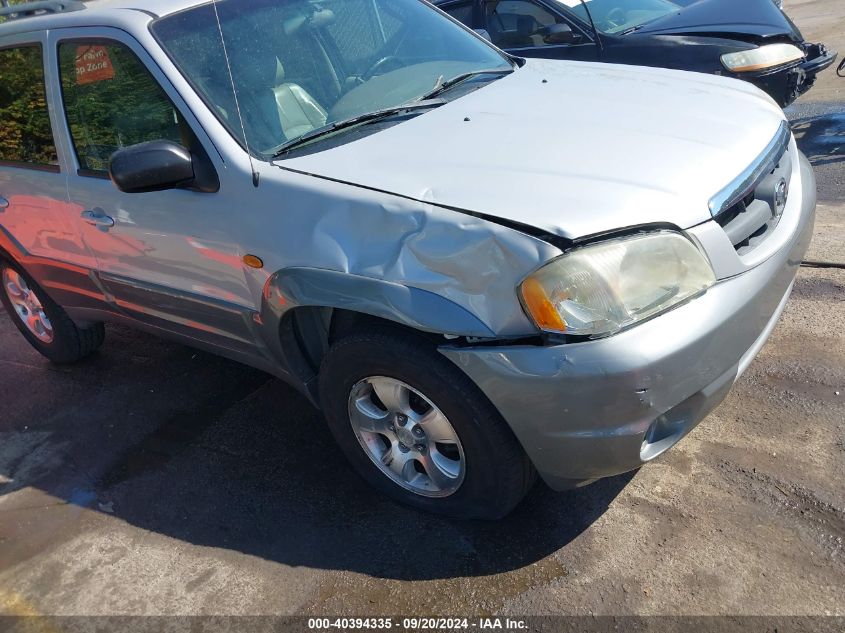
(169, 259)
(37, 222)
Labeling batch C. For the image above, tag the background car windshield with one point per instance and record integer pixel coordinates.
(615, 16)
(299, 65)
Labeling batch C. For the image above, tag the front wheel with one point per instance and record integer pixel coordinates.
(418, 429)
(42, 321)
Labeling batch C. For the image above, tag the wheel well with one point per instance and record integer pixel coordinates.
(308, 332)
(5, 256)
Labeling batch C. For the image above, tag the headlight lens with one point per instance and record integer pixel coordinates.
(768, 56)
(597, 290)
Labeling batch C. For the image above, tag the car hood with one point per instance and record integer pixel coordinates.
(570, 148)
(726, 17)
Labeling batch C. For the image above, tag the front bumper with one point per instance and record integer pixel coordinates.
(595, 409)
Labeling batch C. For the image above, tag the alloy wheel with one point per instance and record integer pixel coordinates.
(27, 305)
(406, 436)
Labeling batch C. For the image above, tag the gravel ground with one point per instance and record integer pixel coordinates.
(155, 479)
(822, 21)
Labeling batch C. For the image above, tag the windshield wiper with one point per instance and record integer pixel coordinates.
(367, 117)
(445, 85)
(630, 30)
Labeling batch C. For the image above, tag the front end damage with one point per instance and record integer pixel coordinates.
(595, 409)
(786, 85)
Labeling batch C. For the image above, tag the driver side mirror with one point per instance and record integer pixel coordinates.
(559, 34)
(160, 165)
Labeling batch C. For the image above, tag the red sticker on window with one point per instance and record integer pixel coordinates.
(93, 64)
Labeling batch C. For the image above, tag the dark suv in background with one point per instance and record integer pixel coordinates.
(746, 39)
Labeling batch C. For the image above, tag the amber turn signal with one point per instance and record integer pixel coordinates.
(540, 307)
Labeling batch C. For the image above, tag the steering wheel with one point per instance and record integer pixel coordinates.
(377, 66)
(616, 17)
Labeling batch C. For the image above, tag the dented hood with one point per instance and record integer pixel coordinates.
(726, 17)
(569, 148)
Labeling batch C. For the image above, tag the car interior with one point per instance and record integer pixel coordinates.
(614, 16)
(517, 24)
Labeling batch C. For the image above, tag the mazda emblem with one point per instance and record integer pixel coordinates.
(781, 194)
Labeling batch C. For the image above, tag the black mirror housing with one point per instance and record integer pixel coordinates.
(560, 34)
(152, 166)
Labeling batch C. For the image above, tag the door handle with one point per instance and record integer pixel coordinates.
(4, 204)
(98, 218)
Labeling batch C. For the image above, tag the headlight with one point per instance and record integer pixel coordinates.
(597, 290)
(768, 56)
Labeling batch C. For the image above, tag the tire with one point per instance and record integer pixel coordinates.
(495, 473)
(57, 338)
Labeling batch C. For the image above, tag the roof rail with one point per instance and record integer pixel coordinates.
(42, 7)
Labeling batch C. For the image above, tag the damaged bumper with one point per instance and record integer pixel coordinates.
(786, 85)
(796, 81)
(819, 57)
(596, 409)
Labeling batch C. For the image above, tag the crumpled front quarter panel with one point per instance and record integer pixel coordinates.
(305, 222)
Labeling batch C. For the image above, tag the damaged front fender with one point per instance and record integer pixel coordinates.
(337, 245)
(416, 308)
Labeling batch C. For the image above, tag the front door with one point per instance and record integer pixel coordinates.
(169, 259)
(520, 27)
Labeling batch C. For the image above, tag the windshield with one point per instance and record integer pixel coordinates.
(615, 16)
(301, 65)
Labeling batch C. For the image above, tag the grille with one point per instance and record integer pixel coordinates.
(750, 207)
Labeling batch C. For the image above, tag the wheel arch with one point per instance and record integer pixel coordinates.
(304, 309)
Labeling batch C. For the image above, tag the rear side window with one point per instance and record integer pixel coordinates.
(25, 134)
(112, 101)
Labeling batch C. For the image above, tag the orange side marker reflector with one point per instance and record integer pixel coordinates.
(253, 262)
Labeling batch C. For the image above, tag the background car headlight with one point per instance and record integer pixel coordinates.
(597, 290)
(768, 56)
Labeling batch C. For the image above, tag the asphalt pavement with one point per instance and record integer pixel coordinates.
(819, 129)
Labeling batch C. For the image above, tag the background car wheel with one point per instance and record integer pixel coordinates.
(418, 429)
(44, 323)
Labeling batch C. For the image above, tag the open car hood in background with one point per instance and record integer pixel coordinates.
(752, 17)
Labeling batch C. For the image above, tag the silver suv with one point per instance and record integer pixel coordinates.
(479, 267)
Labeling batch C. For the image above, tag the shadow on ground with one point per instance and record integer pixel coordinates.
(820, 132)
(822, 137)
(216, 454)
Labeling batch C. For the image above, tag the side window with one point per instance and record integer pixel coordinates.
(462, 12)
(517, 23)
(111, 101)
(25, 134)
